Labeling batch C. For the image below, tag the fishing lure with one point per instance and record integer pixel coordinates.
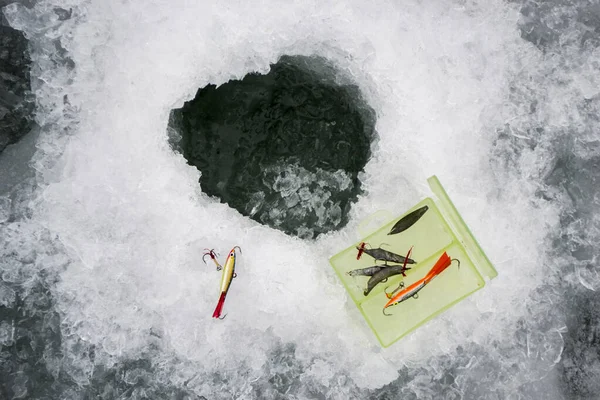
(408, 220)
(369, 271)
(385, 273)
(226, 278)
(413, 290)
(388, 256)
(213, 256)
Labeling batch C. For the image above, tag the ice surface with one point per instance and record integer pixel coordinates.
(6, 333)
(5, 205)
(119, 219)
(7, 295)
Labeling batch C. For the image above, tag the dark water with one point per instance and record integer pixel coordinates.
(34, 365)
(283, 148)
(16, 101)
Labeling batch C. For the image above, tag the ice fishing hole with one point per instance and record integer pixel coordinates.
(285, 148)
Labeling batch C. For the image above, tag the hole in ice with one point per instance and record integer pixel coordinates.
(16, 100)
(284, 148)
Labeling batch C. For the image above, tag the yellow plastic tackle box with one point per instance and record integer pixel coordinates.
(440, 229)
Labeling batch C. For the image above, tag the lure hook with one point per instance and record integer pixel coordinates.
(390, 295)
(238, 247)
(209, 252)
(387, 315)
(457, 260)
(213, 255)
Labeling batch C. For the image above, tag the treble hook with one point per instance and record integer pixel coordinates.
(212, 253)
(390, 295)
(209, 252)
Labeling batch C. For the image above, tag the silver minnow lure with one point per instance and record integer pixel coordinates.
(369, 271)
(384, 255)
(383, 275)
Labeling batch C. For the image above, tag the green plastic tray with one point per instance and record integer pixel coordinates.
(440, 229)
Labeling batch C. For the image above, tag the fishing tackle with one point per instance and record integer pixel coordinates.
(361, 248)
(384, 274)
(407, 221)
(226, 278)
(412, 291)
(369, 271)
(387, 256)
(213, 255)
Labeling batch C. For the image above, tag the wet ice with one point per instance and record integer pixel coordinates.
(123, 213)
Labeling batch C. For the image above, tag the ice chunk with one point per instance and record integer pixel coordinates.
(305, 195)
(292, 200)
(19, 386)
(589, 277)
(5, 205)
(255, 204)
(7, 295)
(7, 332)
(286, 183)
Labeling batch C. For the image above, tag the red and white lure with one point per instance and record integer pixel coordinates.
(226, 278)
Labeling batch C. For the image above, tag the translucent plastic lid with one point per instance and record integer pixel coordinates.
(440, 229)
